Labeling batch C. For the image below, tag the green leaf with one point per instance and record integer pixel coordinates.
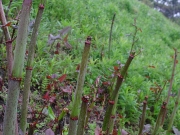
(51, 113)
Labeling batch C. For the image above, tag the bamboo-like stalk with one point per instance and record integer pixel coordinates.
(172, 76)
(173, 114)
(14, 82)
(79, 88)
(29, 68)
(171, 83)
(91, 106)
(119, 81)
(141, 125)
(8, 40)
(159, 119)
(120, 78)
(82, 115)
(113, 117)
(110, 35)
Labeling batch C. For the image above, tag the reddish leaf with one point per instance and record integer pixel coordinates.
(115, 132)
(62, 78)
(176, 61)
(151, 66)
(49, 86)
(78, 68)
(48, 77)
(116, 68)
(8, 24)
(120, 116)
(106, 83)
(46, 96)
(56, 52)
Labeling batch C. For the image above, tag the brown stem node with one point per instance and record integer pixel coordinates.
(15, 78)
(85, 99)
(87, 42)
(112, 116)
(41, 6)
(74, 118)
(9, 41)
(111, 102)
(29, 68)
(120, 76)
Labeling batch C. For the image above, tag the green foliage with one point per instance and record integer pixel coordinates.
(152, 65)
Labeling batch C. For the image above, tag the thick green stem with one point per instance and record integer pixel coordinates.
(173, 114)
(28, 76)
(82, 115)
(14, 83)
(79, 89)
(115, 93)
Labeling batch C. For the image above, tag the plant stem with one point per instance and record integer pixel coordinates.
(112, 120)
(28, 76)
(159, 119)
(82, 115)
(143, 116)
(172, 76)
(14, 83)
(110, 34)
(115, 93)
(79, 89)
(171, 83)
(173, 114)
(8, 40)
(89, 110)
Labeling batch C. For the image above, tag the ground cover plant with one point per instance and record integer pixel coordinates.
(138, 34)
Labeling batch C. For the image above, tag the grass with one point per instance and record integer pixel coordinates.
(152, 66)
